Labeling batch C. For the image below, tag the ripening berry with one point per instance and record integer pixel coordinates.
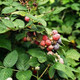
(50, 53)
(29, 34)
(59, 41)
(36, 42)
(28, 38)
(56, 47)
(48, 42)
(24, 39)
(54, 32)
(27, 19)
(35, 4)
(48, 49)
(61, 61)
(44, 37)
(34, 33)
(42, 43)
(51, 47)
(34, 72)
(56, 37)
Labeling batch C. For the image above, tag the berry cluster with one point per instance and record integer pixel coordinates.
(51, 43)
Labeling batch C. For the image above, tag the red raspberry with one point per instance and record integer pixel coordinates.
(36, 42)
(24, 39)
(56, 37)
(54, 32)
(34, 72)
(42, 43)
(51, 47)
(48, 42)
(44, 37)
(48, 49)
(27, 19)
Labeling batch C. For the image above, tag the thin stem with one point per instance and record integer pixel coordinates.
(5, 67)
(44, 71)
(34, 76)
(37, 75)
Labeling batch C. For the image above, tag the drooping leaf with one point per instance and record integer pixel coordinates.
(33, 62)
(73, 54)
(39, 54)
(22, 63)
(10, 59)
(7, 10)
(19, 24)
(5, 73)
(5, 43)
(58, 10)
(8, 23)
(24, 75)
(51, 72)
(3, 28)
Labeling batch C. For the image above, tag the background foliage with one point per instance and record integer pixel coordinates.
(15, 61)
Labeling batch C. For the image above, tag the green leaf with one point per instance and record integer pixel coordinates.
(66, 1)
(73, 54)
(11, 59)
(66, 29)
(5, 73)
(22, 63)
(78, 25)
(20, 36)
(22, 13)
(58, 10)
(39, 54)
(7, 10)
(19, 24)
(5, 43)
(51, 72)
(75, 6)
(42, 2)
(24, 75)
(33, 62)
(65, 39)
(35, 18)
(72, 62)
(62, 74)
(7, 2)
(67, 70)
(8, 23)
(78, 46)
(3, 28)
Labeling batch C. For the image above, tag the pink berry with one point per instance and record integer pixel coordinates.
(61, 61)
(50, 53)
(54, 32)
(24, 39)
(44, 37)
(48, 42)
(42, 43)
(27, 19)
(56, 37)
(51, 47)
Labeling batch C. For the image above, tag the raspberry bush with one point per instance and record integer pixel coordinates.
(39, 40)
